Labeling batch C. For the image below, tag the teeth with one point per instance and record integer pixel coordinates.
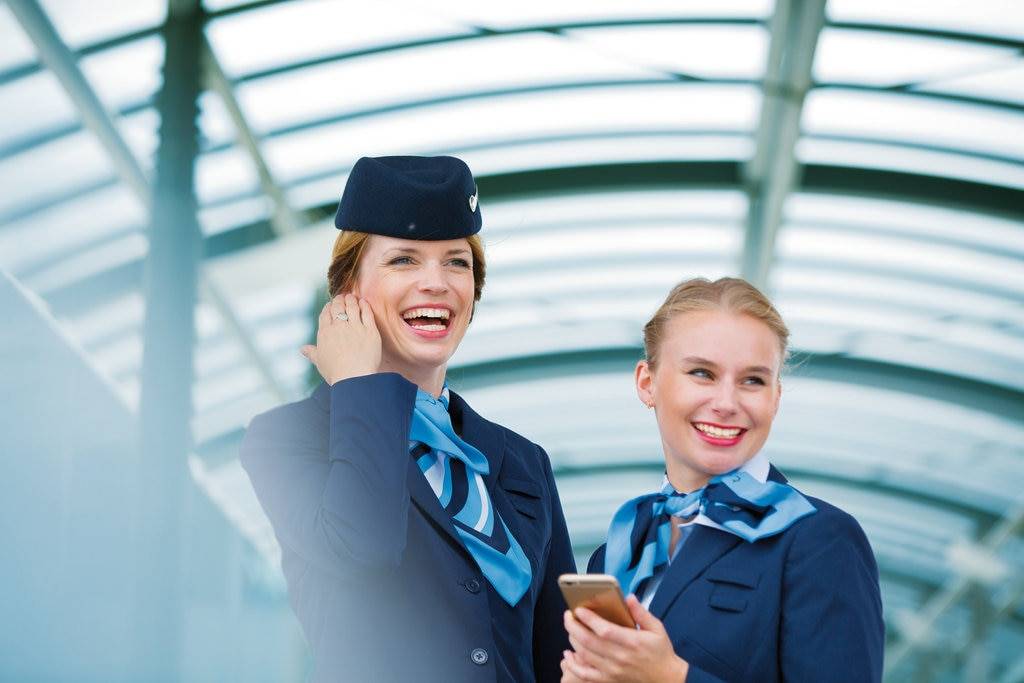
(716, 431)
(427, 313)
(429, 328)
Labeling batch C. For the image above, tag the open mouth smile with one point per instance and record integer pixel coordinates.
(719, 435)
(428, 321)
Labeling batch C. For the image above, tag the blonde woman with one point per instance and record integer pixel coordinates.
(733, 574)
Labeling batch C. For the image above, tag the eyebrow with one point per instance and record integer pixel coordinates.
(756, 369)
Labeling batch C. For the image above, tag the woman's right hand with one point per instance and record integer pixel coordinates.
(345, 348)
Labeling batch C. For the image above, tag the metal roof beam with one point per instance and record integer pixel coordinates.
(916, 635)
(284, 219)
(773, 171)
(1003, 401)
(59, 59)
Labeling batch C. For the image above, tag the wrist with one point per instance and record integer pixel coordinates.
(680, 670)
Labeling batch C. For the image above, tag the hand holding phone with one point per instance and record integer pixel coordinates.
(600, 593)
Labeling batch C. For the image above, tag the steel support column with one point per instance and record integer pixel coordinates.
(773, 171)
(170, 285)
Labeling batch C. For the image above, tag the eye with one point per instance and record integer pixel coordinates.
(460, 263)
(400, 261)
(702, 373)
(754, 380)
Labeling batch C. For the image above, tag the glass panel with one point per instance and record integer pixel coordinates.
(33, 105)
(223, 174)
(49, 170)
(620, 148)
(84, 263)
(68, 226)
(1002, 82)
(83, 22)
(588, 111)
(989, 17)
(902, 255)
(251, 41)
(704, 51)
(612, 208)
(122, 316)
(435, 71)
(140, 132)
(223, 217)
(884, 59)
(16, 48)
(214, 121)
(973, 230)
(906, 118)
(811, 150)
(127, 74)
(533, 12)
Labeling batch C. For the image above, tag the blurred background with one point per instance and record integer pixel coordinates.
(169, 173)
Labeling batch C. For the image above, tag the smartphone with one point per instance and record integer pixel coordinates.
(599, 593)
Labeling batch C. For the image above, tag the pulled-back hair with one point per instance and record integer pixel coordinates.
(729, 294)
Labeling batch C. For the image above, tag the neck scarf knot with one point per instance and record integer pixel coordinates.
(455, 470)
(639, 535)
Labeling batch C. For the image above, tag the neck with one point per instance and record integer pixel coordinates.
(685, 480)
(430, 380)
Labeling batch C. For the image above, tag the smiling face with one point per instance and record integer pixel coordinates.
(421, 293)
(715, 390)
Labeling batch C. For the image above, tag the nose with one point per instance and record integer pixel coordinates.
(723, 402)
(434, 279)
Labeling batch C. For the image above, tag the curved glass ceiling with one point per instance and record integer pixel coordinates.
(616, 145)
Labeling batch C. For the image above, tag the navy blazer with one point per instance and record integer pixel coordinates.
(382, 585)
(803, 605)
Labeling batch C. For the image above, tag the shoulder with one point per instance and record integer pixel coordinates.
(297, 422)
(830, 535)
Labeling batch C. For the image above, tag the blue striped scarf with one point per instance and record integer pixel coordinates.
(640, 532)
(455, 471)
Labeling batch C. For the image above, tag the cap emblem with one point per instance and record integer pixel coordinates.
(473, 199)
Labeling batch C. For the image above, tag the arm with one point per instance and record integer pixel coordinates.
(832, 609)
(549, 636)
(348, 506)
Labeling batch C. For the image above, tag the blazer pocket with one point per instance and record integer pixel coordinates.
(732, 587)
(524, 495)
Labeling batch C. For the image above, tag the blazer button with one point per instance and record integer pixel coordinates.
(479, 656)
(473, 586)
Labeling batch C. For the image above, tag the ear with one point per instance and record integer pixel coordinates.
(644, 383)
(778, 399)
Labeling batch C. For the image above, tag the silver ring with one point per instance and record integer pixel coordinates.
(341, 316)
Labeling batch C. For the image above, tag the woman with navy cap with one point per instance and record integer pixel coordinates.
(420, 542)
(733, 574)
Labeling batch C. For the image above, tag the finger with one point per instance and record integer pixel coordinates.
(309, 351)
(589, 648)
(643, 618)
(336, 306)
(366, 314)
(603, 628)
(352, 308)
(583, 671)
(325, 315)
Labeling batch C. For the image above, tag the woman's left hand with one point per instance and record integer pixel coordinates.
(609, 653)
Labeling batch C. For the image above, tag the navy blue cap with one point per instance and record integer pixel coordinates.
(419, 198)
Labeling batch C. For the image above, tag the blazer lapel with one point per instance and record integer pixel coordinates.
(488, 439)
(704, 546)
(426, 500)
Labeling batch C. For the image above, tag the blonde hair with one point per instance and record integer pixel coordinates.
(348, 252)
(728, 294)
